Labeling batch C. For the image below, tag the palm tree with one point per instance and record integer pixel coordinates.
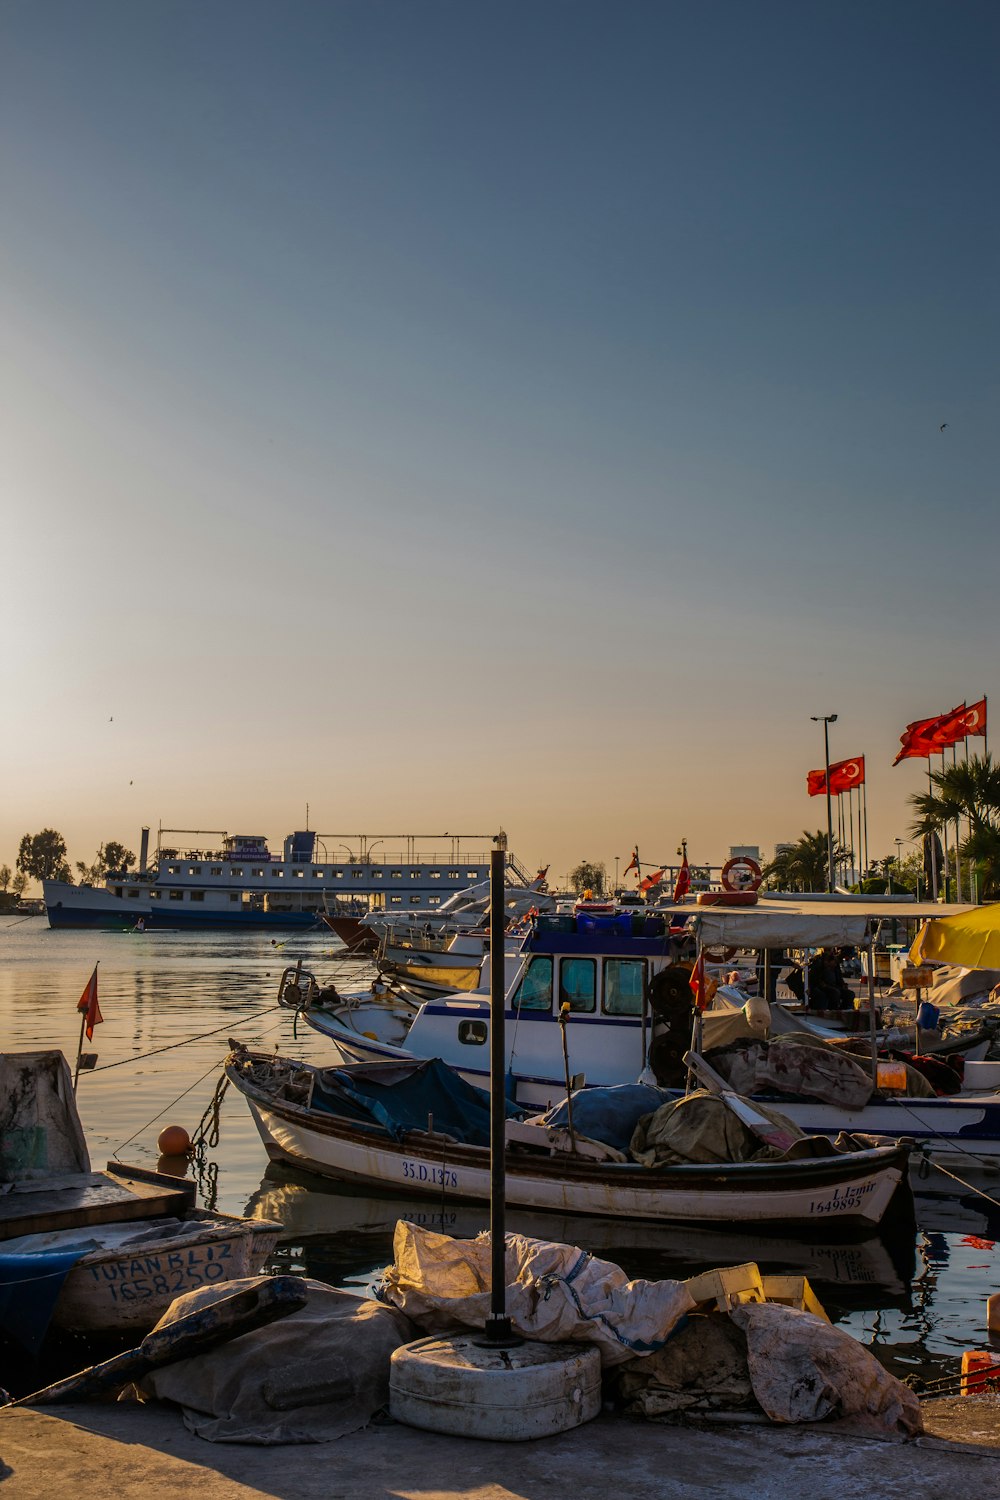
(802, 866)
(968, 791)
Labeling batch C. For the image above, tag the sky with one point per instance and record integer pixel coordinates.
(455, 416)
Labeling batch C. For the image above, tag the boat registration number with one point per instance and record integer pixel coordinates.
(849, 1198)
(419, 1171)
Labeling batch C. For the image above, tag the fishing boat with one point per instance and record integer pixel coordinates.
(125, 1275)
(631, 1010)
(213, 880)
(419, 1128)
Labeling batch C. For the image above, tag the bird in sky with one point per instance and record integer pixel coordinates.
(942, 427)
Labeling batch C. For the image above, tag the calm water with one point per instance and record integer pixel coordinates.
(917, 1299)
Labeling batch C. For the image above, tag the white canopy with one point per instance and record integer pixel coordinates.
(787, 923)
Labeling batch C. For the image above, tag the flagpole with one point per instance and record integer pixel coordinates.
(958, 836)
(864, 788)
(79, 1049)
(944, 830)
(933, 838)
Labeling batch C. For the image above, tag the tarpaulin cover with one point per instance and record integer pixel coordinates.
(783, 922)
(609, 1115)
(803, 1369)
(40, 1130)
(555, 1292)
(970, 938)
(313, 1376)
(404, 1096)
(620, 922)
(29, 1290)
(701, 1128)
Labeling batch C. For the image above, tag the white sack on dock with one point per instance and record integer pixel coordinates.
(316, 1375)
(804, 1370)
(554, 1292)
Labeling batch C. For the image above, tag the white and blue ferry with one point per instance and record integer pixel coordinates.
(216, 880)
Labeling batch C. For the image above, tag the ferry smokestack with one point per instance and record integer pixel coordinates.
(143, 851)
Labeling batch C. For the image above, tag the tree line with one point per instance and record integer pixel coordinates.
(42, 856)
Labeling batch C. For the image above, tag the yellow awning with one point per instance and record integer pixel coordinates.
(971, 938)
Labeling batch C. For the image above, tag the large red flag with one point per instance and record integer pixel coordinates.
(633, 863)
(647, 883)
(845, 774)
(683, 882)
(89, 1006)
(959, 723)
(917, 739)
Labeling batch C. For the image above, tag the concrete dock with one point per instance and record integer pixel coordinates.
(129, 1450)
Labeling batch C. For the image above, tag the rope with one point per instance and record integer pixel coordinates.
(228, 1026)
(166, 1107)
(210, 1136)
(962, 1182)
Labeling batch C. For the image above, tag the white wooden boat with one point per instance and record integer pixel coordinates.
(134, 1271)
(851, 1187)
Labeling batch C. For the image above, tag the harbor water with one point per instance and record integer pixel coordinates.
(171, 1001)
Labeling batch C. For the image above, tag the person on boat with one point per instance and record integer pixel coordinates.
(828, 989)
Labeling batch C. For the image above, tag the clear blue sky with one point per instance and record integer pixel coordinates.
(464, 414)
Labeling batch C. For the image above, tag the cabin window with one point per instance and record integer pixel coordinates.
(254, 872)
(133, 893)
(434, 874)
(376, 874)
(396, 874)
(233, 870)
(119, 890)
(358, 874)
(197, 895)
(277, 874)
(338, 874)
(472, 874)
(535, 990)
(578, 984)
(414, 900)
(433, 900)
(454, 874)
(472, 1033)
(317, 874)
(177, 895)
(298, 874)
(234, 898)
(624, 981)
(194, 869)
(155, 895)
(216, 869)
(173, 869)
(415, 874)
(395, 900)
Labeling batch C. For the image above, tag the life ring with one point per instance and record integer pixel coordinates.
(719, 954)
(726, 898)
(741, 862)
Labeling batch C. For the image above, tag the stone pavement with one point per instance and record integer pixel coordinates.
(116, 1452)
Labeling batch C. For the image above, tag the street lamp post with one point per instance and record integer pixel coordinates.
(617, 857)
(826, 720)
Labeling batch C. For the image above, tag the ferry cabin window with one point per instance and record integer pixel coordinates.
(395, 874)
(535, 990)
(119, 890)
(155, 895)
(376, 874)
(395, 900)
(134, 892)
(254, 872)
(624, 979)
(317, 874)
(194, 869)
(277, 874)
(177, 895)
(298, 874)
(197, 895)
(578, 984)
(472, 874)
(173, 869)
(415, 874)
(358, 874)
(435, 874)
(453, 874)
(233, 870)
(414, 900)
(433, 900)
(216, 869)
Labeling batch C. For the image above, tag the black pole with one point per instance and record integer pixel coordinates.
(498, 1333)
(829, 807)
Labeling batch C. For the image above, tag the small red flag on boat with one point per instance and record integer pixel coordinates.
(89, 1006)
(633, 863)
(648, 881)
(683, 882)
(697, 983)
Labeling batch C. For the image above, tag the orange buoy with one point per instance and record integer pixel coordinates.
(173, 1140)
(980, 1372)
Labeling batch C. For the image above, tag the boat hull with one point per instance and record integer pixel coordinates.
(850, 1189)
(127, 1289)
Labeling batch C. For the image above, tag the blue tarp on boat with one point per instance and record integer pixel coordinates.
(405, 1096)
(609, 1115)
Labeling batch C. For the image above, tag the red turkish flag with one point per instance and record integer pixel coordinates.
(697, 983)
(917, 739)
(683, 882)
(633, 863)
(88, 1004)
(815, 783)
(845, 774)
(959, 723)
